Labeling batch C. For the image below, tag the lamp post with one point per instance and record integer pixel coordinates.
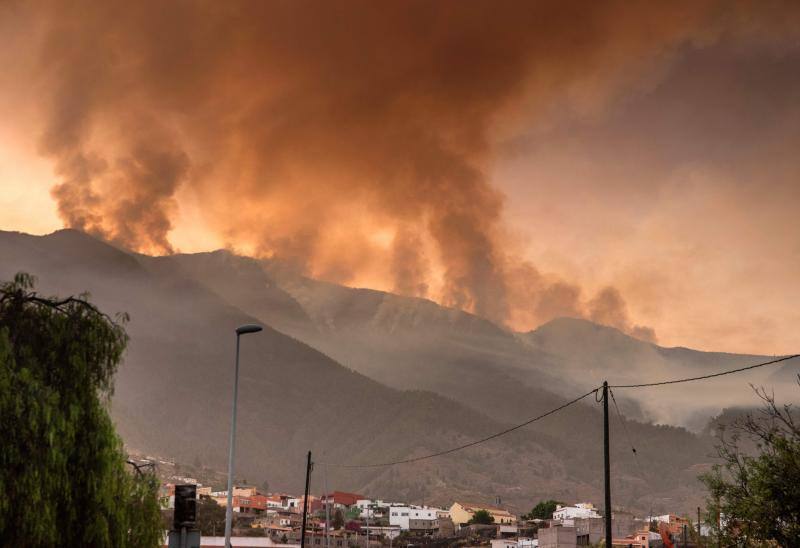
(241, 330)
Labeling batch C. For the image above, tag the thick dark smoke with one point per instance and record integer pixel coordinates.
(340, 136)
(139, 197)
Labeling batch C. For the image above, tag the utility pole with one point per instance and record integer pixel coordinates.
(367, 540)
(607, 465)
(327, 509)
(719, 525)
(305, 503)
(698, 525)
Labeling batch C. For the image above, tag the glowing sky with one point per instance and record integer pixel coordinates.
(653, 153)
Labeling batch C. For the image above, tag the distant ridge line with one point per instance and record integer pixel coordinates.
(556, 410)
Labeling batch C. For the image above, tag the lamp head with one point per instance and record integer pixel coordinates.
(248, 328)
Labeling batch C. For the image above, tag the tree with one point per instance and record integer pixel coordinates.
(338, 519)
(63, 474)
(354, 512)
(481, 517)
(210, 516)
(543, 510)
(754, 495)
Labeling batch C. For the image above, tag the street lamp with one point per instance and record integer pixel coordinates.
(241, 330)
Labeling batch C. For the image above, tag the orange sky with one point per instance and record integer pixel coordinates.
(657, 158)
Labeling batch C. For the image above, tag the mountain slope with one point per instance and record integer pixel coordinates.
(403, 342)
(588, 353)
(173, 389)
(414, 343)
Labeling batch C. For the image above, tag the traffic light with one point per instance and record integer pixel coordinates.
(185, 514)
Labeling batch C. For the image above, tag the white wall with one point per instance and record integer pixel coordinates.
(400, 515)
(572, 512)
(367, 507)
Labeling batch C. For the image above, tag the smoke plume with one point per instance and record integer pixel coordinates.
(343, 137)
(608, 308)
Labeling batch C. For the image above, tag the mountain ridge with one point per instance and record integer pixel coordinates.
(390, 377)
(167, 377)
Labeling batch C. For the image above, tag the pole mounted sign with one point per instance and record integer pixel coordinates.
(184, 532)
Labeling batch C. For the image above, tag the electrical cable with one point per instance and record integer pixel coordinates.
(633, 450)
(703, 377)
(557, 409)
(466, 445)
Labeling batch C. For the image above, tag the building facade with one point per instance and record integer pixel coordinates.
(461, 513)
(414, 518)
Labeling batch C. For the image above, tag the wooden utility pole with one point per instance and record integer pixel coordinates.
(607, 465)
(327, 509)
(698, 525)
(305, 503)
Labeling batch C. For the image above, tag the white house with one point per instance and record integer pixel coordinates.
(414, 517)
(295, 504)
(275, 502)
(580, 510)
(371, 508)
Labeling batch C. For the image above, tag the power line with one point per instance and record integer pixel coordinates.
(703, 377)
(555, 410)
(633, 449)
(466, 445)
(625, 428)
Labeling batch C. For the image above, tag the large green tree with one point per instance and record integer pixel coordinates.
(543, 510)
(481, 517)
(64, 480)
(754, 495)
(338, 519)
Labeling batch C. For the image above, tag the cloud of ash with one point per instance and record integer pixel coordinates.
(340, 136)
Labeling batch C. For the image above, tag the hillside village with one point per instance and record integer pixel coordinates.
(341, 519)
